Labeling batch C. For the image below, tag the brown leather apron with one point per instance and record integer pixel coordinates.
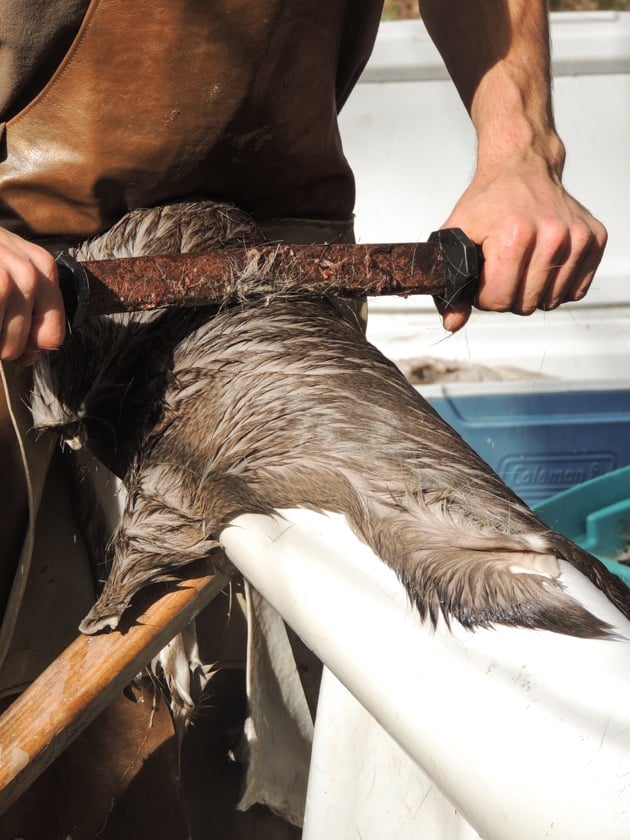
(157, 100)
(241, 104)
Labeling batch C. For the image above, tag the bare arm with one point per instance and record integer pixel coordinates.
(31, 308)
(541, 247)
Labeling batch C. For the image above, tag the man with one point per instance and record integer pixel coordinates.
(541, 247)
(146, 103)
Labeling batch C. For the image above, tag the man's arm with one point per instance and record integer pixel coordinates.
(31, 307)
(541, 247)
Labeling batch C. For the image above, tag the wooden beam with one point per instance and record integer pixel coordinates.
(82, 681)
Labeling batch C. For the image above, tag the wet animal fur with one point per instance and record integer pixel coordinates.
(209, 414)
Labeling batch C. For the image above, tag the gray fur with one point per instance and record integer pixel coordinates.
(210, 414)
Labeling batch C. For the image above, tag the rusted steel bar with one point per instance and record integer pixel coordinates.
(80, 683)
(236, 274)
(194, 279)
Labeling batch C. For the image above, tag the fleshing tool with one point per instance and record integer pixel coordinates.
(447, 267)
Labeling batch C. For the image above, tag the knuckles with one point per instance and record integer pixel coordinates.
(527, 307)
(20, 278)
(582, 237)
(555, 240)
(11, 347)
(54, 334)
(517, 236)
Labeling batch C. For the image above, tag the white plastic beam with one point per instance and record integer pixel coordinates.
(526, 732)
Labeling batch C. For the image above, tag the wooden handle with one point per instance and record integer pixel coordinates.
(81, 682)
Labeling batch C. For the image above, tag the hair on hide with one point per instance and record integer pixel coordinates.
(210, 413)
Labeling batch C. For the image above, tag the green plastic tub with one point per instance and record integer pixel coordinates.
(596, 516)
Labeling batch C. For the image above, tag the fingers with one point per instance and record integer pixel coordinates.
(541, 247)
(541, 267)
(573, 277)
(454, 315)
(31, 307)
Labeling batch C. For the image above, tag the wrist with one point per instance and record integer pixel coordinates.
(512, 114)
(517, 141)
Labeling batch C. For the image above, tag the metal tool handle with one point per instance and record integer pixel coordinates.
(463, 260)
(74, 285)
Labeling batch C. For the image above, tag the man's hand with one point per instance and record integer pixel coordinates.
(540, 246)
(31, 307)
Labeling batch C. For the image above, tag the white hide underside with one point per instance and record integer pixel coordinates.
(526, 732)
(279, 729)
(377, 791)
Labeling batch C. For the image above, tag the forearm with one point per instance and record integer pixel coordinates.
(540, 246)
(497, 52)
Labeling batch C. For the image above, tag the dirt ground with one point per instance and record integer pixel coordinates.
(404, 9)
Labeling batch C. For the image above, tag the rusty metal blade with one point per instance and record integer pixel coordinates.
(237, 274)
